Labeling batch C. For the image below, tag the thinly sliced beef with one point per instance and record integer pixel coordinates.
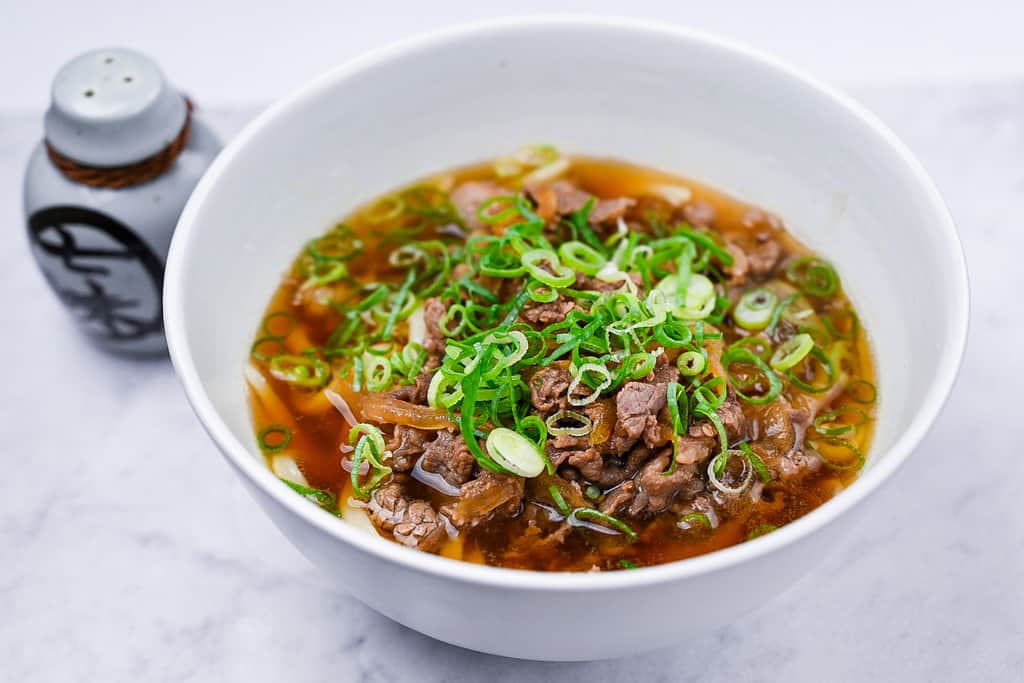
(641, 412)
(549, 389)
(449, 456)
(413, 522)
(468, 197)
(657, 490)
(699, 214)
(610, 209)
(568, 197)
(488, 495)
(417, 391)
(735, 423)
(619, 499)
(433, 311)
(407, 445)
(541, 314)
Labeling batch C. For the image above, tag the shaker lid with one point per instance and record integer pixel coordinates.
(112, 107)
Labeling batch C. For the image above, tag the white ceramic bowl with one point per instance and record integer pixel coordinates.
(661, 96)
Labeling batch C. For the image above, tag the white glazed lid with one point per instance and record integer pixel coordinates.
(112, 107)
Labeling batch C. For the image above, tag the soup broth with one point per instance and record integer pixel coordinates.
(562, 363)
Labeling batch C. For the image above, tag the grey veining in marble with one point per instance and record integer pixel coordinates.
(129, 552)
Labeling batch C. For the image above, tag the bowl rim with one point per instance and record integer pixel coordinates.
(263, 479)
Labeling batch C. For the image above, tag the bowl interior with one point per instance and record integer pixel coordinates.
(656, 97)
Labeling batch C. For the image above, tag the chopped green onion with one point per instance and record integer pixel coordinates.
(792, 351)
(773, 324)
(762, 470)
(377, 371)
(274, 438)
(268, 323)
(862, 391)
(557, 275)
(842, 324)
(559, 499)
(855, 463)
(830, 373)
(761, 531)
(691, 363)
(261, 354)
(581, 257)
(369, 447)
(813, 276)
(697, 298)
(694, 518)
(303, 371)
(626, 564)
(716, 468)
(754, 309)
(739, 354)
(324, 499)
(605, 520)
(593, 491)
(832, 424)
(515, 452)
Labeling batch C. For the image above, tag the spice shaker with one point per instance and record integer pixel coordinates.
(103, 191)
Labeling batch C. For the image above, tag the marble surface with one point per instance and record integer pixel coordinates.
(130, 552)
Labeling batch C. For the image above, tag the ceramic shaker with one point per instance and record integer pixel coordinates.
(123, 151)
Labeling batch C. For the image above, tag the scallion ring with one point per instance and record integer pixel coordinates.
(691, 363)
(274, 438)
(832, 422)
(826, 364)
(579, 424)
(717, 467)
(754, 309)
(555, 275)
(792, 351)
(862, 391)
(742, 355)
(515, 452)
(813, 275)
(855, 463)
(559, 500)
(762, 470)
(583, 258)
(303, 371)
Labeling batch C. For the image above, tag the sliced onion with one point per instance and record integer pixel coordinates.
(547, 172)
(285, 467)
(338, 402)
(673, 194)
(433, 480)
(515, 452)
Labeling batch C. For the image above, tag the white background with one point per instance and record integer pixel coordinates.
(243, 51)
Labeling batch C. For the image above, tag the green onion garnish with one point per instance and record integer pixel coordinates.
(303, 371)
(274, 437)
(324, 499)
(862, 391)
(855, 458)
(559, 499)
(792, 351)
(832, 422)
(744, 356)
(761, 531)
(626, 564)
(754, 309)
(602, 519)
(759, 467)
(826, 363)
(369, 447)
(813, 276)
(515, 452)
(693, 518)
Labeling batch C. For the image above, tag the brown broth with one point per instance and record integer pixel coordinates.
(318, 428)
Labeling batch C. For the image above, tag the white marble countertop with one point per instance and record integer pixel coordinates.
(130, 552)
